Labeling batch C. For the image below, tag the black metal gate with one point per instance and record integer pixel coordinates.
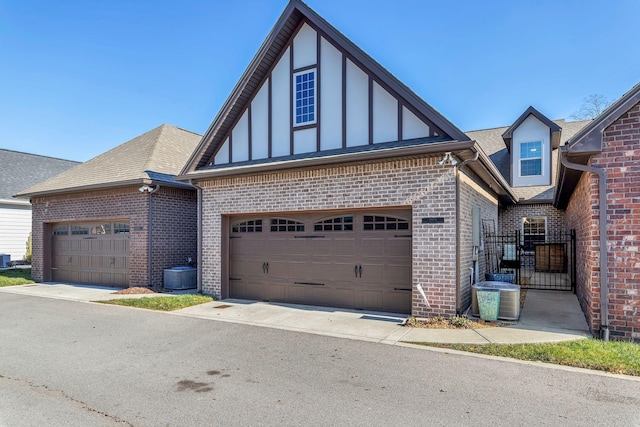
(541, 264)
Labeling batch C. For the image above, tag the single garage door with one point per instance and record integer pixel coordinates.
(349, 259)
(91, 253)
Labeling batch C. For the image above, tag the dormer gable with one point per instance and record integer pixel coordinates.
(309, 91)
(530, 141)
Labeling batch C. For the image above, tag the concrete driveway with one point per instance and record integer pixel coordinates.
(547, 316)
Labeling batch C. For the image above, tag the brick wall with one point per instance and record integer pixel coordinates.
(510, 218)
(175, 230)
(471, 195)
(126, 203)
(620, 158)
(423, 185)
(174, 211)
(582, 215)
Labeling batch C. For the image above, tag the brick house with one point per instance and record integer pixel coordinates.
(17, 172)
(324, 180)
(120, 218)
(600, 171)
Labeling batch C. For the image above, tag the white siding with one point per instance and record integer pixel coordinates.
(331, 96)
(15, 226)
(240, 139)
(412, 126)
(305, 47)
(385, 115)
(357, 106)
(531, 130)
(280, 107)
(304, 141)
(260, 123)
(222, 156)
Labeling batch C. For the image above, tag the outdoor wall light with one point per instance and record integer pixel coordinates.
(448, 160)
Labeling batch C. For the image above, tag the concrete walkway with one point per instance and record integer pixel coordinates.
(547, 316)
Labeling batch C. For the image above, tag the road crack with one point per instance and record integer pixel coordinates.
(63, 395)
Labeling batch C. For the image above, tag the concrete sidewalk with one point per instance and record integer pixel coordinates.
(547, 316)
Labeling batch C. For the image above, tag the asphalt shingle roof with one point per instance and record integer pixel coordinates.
(490, 140)
(157, 155)
(19, 171)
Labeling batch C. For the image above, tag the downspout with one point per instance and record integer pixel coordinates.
(604, 269)
(199, 237)
(150, 235)
(457, 168)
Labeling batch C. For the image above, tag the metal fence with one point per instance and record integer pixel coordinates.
(547, 262)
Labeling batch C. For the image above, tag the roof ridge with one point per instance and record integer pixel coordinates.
(40, 155)
(154, 148)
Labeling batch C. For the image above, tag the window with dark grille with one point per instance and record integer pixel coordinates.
(120, 228)
(374, 222)
(79, 230)
(101, 229)
(253, 226)
(533, 232)
(343, 223)
(304, 89)
(283, 225)
(61, 230)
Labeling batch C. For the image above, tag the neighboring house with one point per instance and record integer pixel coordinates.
(17, 172)
(324, 180)
(601, 171)
(120, 218)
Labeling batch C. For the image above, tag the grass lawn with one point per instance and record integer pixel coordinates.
(167, 303)
(613, 357)
(15, 276)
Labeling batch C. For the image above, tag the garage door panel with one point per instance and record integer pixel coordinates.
(101, 259)
(296, 294)
(346, 264)
(372, 274)
(321, 295)
(398, 247)
(396, 301)
(343, 247)
(372, 299)
(344, 297)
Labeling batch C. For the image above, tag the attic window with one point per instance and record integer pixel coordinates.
(304, 89)
(531, 158)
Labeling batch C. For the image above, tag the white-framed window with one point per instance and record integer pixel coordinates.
(531, 158)
(534, 230)
(304, 97)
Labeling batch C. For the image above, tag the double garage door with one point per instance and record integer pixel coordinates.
(356, 260)
(91, 253)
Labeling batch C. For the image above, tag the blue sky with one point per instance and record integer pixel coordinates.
(80, 77)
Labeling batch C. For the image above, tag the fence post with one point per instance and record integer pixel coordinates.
(573, 260)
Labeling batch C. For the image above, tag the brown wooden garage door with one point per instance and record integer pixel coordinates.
(350, 259)
(91, 253)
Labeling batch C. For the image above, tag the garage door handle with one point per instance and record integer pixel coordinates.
(402, 289)
(265, 267)
(360, 270)
(308, 283)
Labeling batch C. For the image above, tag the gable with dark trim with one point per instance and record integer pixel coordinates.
(241, 112)
(588, 142)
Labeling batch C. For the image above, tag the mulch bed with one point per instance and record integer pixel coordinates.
(134, 291)
(460, 322)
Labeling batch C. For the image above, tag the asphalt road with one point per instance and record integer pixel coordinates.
(80, 364)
